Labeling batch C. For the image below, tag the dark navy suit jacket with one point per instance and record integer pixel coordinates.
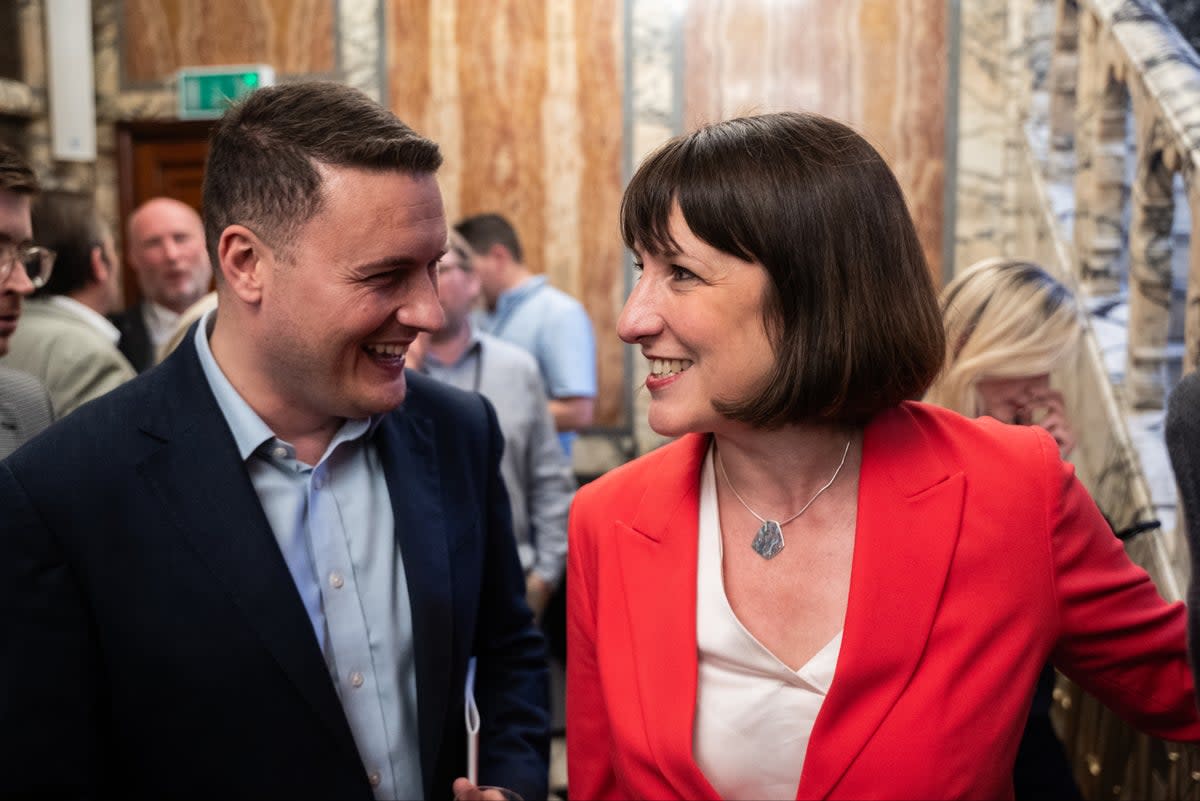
(135, 339)
(153, 644)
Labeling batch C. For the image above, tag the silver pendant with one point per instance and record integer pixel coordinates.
(768, 542)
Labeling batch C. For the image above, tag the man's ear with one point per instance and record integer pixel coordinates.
(499, 252)
(242, 259)
(100, 266)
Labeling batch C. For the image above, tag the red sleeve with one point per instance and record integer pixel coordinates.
(1118, 638)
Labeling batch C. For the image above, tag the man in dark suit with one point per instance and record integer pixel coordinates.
(165, 240)
(261, 569)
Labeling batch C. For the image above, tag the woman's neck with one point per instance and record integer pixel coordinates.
(781, 469)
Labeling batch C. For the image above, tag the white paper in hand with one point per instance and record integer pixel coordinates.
(472, 719)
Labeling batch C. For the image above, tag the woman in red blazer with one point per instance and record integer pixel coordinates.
(821, 589)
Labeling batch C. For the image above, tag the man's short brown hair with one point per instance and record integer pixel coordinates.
(15, 173)
(483, 231)
(262, 168)
(851, 309)
(70, 225)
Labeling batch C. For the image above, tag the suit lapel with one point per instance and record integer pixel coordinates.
(658, 552)
(202, 484)
(909, 514)
(409, 458)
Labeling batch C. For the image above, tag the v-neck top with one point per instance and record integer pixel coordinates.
(754, 714)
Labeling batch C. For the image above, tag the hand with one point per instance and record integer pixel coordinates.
(537, 593)
(1047, 409)
(465, 791)
(415, 356)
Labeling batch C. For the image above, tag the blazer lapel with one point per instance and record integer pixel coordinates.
(409, 458)
(658, 554)
(202, 483)
(909, 514)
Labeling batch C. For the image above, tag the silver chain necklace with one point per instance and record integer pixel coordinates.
(768, 542)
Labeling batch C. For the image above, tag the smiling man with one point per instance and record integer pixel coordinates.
(281, 550)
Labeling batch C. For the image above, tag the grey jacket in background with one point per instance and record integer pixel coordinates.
(24, 409)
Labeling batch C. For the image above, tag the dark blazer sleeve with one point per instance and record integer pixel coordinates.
(491, 621)
(50, 666)
(511, 683)
(1183, 444)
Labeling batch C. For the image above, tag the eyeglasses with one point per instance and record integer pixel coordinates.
(445, 267)
(37, 262)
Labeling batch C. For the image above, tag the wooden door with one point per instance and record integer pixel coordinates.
(157, 159)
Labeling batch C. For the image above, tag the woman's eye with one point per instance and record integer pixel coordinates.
(681, 273)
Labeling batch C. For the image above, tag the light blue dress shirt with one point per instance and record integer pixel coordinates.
(555, 328)
(335, 528)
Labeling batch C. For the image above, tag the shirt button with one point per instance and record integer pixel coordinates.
(335, 580)
(279, 452)
(356, 679)
(318, 482)
(374, 778)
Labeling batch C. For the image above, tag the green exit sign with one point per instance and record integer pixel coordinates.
(205, 92)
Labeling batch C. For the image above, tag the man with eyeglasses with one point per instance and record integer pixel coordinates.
(65, 341)
(24, 404)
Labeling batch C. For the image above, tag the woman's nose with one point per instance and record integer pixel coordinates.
(640, 317)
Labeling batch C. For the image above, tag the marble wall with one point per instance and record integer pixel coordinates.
(525, 98)
(878, 65)
(543, 107)
(296, 37)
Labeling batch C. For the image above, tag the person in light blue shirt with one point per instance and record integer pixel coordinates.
(524, 309)
(535, 469)
(281, 549)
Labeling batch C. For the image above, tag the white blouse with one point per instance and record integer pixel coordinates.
(754, 714)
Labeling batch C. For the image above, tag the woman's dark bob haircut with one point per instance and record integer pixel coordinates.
(851, 310)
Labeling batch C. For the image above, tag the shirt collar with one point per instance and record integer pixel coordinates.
(249, 431)
(160, 321)
(473, 346)
(519, 293)
(89, 315)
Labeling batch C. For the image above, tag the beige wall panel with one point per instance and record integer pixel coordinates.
(160, 36)
(525, 98)
(409, 71)
(601, 253)
(879, 65)
(502, 80)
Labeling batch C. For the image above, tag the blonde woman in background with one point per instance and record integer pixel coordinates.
(1009, 324)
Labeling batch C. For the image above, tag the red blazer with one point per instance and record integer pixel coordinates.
(978, 557)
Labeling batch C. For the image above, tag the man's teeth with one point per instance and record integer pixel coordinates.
(661, 367)
(388, 350)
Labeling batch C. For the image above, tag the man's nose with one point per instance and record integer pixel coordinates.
(422, 308)
(18, 280)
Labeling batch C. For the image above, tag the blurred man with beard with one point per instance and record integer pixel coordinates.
(167, 253)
